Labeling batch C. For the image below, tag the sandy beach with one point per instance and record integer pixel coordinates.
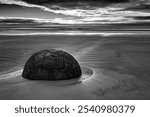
(114, 67)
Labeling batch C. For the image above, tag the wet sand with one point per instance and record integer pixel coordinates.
(114, 67)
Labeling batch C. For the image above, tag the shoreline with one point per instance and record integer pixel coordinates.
(103, 84)
(120, 67)
(86, 73)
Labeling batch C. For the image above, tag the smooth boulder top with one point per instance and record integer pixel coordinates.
(51, 65)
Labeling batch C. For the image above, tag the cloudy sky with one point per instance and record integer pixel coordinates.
(75, 11)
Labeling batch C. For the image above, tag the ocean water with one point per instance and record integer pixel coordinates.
(119, 63)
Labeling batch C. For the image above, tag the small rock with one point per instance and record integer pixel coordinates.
(51, 65)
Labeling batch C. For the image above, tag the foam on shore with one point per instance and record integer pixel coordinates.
(11, 74)
(86, 73)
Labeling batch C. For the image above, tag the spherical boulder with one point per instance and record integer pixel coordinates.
(51, 65)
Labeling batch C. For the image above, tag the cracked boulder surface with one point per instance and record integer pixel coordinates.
(51, 65)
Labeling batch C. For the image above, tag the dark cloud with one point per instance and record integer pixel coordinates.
(139, 7)
(142, 18)
(67, 1)
(18, 21)
(83, 4)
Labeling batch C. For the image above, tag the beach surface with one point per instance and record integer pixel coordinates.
(114, 67)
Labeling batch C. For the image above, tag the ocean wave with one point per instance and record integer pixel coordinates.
(11, 74)
(68, 33)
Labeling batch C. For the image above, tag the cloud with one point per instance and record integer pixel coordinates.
(16, 20)
(142, 17)
(66, 1)
(104, 15)
(21, 3)
(139, 5)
